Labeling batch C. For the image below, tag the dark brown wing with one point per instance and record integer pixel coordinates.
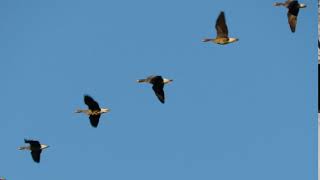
(36, 155)
(94, 120)
(33, 143)
(155, 79)
(91, 103)
(158, 90)
(292, 20)
(287, 3)
(221, 26)
(292, 14)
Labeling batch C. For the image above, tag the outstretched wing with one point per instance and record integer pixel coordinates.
(94, 120)
(91, 103)
(289, 1)
(36, 155)
(292, 20)
(33, 142)
(158, 90)
(293, 14)
(221, 26)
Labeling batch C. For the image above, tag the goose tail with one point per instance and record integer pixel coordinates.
(22, 148)
(79, 111)
(278, 4)
(141, 80)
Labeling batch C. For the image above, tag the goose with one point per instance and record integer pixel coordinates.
(35, 147)
(94, 111)
(222, 32)
(157, 85)
(293, 11)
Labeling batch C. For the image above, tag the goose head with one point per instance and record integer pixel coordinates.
(302, 5)
(166, 81)
(104, 110)
(44, 146)
(231, 40)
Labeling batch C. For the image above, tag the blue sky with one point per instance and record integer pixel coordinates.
(242, 111)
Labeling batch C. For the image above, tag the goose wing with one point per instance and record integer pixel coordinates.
(293, 14)
(158, 90)
(94, 120)
(221, 26)
(91, 103)
(33, 143)
(289, 1)
(36, 155)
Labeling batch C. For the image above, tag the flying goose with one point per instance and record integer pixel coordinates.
(35, 147)
(293, 10)
(158, 83)
(222, 32)
(94, 112)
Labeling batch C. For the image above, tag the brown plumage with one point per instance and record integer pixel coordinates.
(157, 85)
(94, 111)
(35, 147)
(222, 37)
(221, 26)
(293, 11)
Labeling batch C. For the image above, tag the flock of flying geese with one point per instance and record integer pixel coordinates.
(94, 111)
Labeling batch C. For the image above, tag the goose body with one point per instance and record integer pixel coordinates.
(222, 37)
(293, 11)
(94, 111)
(157, 85)
(35, 147)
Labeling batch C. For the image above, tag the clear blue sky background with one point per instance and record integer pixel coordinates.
(242, 111)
